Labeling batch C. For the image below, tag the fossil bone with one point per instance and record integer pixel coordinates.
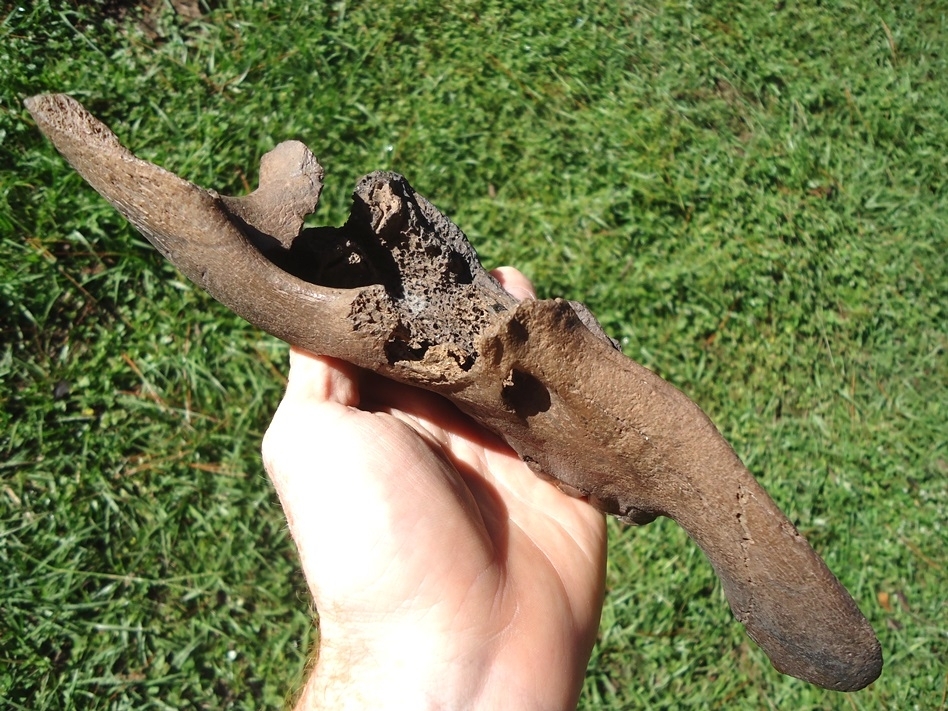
(399, 290)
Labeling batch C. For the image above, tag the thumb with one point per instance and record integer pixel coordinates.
(514, 283)
(319, 379)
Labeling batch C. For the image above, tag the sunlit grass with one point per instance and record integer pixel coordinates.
(751, 197)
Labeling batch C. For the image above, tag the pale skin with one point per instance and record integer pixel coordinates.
(446, 575)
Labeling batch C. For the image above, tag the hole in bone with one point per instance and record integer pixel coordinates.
(524, 394)
(326, 256)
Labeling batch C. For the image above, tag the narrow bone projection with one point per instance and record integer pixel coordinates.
(399, 290)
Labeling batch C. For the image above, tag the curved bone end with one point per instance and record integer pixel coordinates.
(781, 590)
(157, 202)
(840, 657)
(217, 242)
(791, 604)
(656, 453)
(60, 115)
(776, 584)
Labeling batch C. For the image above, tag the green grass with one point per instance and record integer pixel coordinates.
(751, 196)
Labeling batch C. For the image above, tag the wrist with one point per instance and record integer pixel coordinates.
(409, 674)
(402, 671)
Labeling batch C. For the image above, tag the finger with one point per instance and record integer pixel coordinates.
(316, 378)
(514, 282)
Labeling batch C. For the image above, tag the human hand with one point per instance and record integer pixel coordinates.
(444, 572)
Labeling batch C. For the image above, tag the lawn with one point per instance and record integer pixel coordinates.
(752, 197)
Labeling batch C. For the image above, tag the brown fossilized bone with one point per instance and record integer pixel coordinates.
(399, 290)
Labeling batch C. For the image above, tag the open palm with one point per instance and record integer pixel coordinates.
(445, 573)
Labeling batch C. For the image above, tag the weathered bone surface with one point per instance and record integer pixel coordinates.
(399, 290)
